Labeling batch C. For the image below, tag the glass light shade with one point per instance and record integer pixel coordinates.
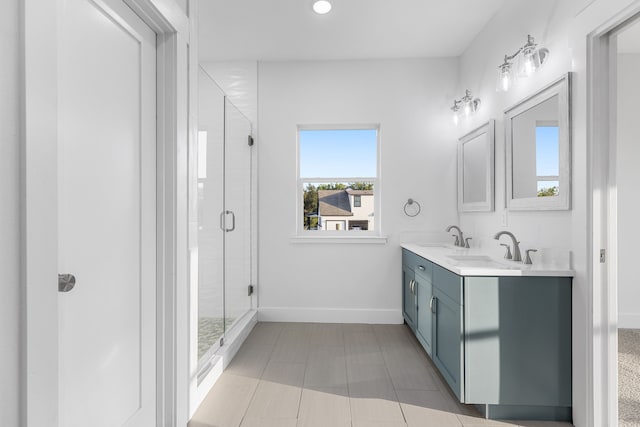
(467, 108)
(456, 112)
(505, 78)
(528, 62)
(321, 6)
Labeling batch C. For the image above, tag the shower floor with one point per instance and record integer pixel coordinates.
(210, 329)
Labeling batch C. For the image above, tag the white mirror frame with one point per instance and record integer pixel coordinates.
(561, 88)
(487, 205)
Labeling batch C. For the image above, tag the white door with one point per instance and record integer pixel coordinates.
(107, 216)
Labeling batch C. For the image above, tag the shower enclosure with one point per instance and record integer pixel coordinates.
(219, 220)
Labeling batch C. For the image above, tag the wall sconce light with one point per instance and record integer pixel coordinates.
(529, 60)
(464, 106)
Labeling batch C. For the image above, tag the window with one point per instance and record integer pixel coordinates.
(337, 179)
(548, 158)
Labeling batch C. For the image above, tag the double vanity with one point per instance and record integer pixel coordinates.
(499, 331)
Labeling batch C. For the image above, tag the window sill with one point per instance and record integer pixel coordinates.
(380, 240)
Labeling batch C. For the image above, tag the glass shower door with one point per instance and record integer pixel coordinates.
(219, 219)
(206, 198)
(237, 188)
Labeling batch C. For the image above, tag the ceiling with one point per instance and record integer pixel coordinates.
(272, 30)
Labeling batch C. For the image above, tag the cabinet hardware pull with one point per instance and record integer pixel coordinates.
(431, 304)
(420, 267)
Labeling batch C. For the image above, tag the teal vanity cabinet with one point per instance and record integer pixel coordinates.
(501, 343)
(408, 297)
(448, 345)
(517, 346)
(424, 304)
(416, 296)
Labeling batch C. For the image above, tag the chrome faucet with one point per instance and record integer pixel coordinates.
(459, 238)
(516, 244)
(527, 258)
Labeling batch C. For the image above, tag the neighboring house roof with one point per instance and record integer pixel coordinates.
(360, 192)
(334, 203)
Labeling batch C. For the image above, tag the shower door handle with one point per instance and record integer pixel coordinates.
(223, 221)
(233, 221)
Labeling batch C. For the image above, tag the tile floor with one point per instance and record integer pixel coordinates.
(334, 375)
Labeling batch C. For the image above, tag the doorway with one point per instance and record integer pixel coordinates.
(613, 149)
(165, 375)
(626, 155)
(107, 216)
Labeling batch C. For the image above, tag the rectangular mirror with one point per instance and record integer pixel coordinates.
(476, 169)
(537, 141)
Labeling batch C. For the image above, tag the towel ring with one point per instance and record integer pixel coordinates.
(412, 211)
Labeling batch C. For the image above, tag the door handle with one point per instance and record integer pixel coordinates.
(431, 305)
(66, 282)
(420, 267)
(233, 221)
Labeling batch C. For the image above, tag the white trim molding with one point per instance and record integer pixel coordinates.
(348, 237)
(330, 315)
(629, 320)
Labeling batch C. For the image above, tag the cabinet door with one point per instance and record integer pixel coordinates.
(423, 314)
(447, 340)
(408, 296)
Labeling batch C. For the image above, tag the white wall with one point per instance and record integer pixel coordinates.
(10, 72)
(410, 99)
(546, 21)
(183, 5)
(239, 81)
(628, 178)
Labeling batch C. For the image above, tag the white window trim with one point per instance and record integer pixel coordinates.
(344, 236)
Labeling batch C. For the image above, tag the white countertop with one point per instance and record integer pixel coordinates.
(474, 262)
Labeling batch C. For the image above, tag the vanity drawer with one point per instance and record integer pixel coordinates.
(417, 263)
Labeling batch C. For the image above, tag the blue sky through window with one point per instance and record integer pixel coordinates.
(340, 153)
(547, 150)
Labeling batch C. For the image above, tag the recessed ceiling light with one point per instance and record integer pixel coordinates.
(321, 7)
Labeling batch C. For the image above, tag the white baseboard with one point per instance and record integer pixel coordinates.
(626, 320)
(330, 315)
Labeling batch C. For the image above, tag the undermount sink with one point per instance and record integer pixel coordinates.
(470, 257)
(477, 261)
